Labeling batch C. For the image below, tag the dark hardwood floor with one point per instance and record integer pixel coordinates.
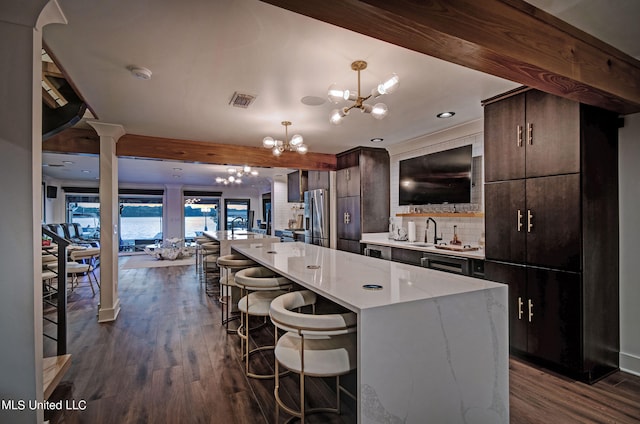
(167, 359)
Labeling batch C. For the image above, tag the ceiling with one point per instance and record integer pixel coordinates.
(200, 52)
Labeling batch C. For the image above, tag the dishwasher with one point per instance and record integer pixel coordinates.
(454, 264)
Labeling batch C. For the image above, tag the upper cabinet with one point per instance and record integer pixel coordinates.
(318, 180)
(531, 134)
(297, 184)
(362, 189)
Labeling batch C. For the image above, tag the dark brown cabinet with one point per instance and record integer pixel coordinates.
(348, 208)
(551, 222)
(348, 182)
(531, 134)
(297, 184)
(545, 312)
(318, 180)
(362, 191)
(535, 221)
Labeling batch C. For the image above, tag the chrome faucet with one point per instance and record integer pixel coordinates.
(233, 222)
(435, 231)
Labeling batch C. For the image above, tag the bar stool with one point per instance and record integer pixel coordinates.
(258, 286)
(313, 345)
(229, 265)
(211, 272)
(199, 241)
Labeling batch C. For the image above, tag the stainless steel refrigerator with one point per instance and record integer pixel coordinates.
(316, 217)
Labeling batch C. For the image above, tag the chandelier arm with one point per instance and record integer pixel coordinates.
(355, 105)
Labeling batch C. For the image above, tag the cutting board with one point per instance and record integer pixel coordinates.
(456, 248)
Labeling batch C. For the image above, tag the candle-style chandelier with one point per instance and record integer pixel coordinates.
(378, 110)
(278, 146)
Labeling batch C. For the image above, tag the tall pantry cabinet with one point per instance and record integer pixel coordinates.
(362, 191)
(551, 223)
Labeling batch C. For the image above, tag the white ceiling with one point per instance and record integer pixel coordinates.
(202, 51)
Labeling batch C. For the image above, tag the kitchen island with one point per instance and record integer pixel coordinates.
(432, 346)
(228, 239)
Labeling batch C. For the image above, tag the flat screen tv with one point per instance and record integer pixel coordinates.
(442, 177)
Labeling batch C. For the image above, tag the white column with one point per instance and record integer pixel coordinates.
(109, 240)
(20, 211)
(173, 215)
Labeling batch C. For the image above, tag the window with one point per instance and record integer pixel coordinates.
(140, 218)
(200, 214)
(236, 208)
(85, 210)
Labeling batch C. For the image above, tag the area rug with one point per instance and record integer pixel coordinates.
(146, 261)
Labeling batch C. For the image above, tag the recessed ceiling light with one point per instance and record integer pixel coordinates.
(377, 140)
(139, 72)
(312, 100)
(445, 114)
(67, 162)
(86, 171)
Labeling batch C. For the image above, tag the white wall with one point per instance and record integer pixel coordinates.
(281, 209)
(469, 229)
(629, 175)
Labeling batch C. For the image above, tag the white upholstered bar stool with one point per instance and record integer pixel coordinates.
(229, 265)
(258, 286)
(313, 345)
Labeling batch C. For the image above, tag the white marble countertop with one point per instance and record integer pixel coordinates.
(382, 239)
(340, 276)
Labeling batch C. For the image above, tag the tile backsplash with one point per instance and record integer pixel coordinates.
(469, 229)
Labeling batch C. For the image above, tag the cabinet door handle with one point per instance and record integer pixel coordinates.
(519, 226)
(346, 218)
(519, 135)
(520, 307)
(530, 133)
(348, 174)
(529, 218)
(530, 310)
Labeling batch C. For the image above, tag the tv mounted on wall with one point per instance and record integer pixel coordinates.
(442, 177)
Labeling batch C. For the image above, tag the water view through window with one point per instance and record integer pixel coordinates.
(200, 214)
(141, 220)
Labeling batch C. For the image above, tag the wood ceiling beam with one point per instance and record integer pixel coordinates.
(507, 38)
(84, 141)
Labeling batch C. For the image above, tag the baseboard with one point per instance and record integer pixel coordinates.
(630, 363)
(110, 314)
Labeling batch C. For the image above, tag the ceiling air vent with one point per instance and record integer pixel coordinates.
(241, 100)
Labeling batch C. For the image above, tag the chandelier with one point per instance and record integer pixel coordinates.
(278, 146)
(378, 110)
(236, 174)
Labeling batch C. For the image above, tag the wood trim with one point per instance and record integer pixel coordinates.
(73, 140)
(84, 141)
(53, 369)
(506, 38)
